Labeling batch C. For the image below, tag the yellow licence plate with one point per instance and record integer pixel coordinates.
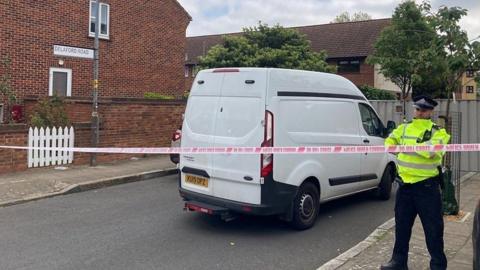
(196, 180)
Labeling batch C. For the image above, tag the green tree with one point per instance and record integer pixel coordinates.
(355, 17)
(431, 80)
(264, 46)
(401, 50)
(456, 53)
(372, 93)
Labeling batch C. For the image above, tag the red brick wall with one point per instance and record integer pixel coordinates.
(13, 160)
(145, 52)
(366, 75)
(17, 135)
(124, 123)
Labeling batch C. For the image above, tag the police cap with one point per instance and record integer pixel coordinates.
(424, 102)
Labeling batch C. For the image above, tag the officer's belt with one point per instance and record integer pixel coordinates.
(431, 180)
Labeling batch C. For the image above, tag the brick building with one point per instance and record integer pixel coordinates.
(347, 46)
(142, 47)
(468, 87)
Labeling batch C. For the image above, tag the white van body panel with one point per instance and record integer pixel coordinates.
(325, 129)
(309, 81)
(237, 112)
(309, 109)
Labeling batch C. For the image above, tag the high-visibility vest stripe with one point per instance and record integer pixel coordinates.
(410, 137)
(417, 166)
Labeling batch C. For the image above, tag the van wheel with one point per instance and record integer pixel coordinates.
(305, 207)
(384, 189)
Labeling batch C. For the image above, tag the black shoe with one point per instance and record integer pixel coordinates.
(393, 265)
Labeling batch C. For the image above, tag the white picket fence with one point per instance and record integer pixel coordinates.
(50, 138)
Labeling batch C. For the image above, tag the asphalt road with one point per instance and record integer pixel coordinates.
(142, 225)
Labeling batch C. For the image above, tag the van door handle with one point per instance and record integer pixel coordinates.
(366, 140)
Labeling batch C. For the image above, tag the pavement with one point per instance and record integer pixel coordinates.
(142, 225)
(39, 183)
(377, 248)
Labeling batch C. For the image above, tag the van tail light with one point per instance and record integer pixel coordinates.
(176, 135)
(266, 160)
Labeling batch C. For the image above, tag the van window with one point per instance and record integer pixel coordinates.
(371, 123)
(239, 116)
(201, 111)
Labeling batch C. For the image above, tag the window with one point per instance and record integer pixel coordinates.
(60, 83)
(104, 20)
(348, 66)
(370, 121)
(469, 89)
(470, 73)
(187, 69)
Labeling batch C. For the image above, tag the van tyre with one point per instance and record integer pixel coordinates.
(305, 207)
(384, 189)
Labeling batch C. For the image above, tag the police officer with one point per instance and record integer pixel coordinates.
(419, 186)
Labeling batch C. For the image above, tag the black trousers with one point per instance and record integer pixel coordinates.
(423, 199)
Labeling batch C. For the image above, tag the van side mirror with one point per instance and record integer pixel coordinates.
(390, 127)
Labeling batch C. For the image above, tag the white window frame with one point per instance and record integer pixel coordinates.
(100, 35)
(187, 71)
(69, 80)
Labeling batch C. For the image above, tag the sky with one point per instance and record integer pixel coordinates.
(227, 16)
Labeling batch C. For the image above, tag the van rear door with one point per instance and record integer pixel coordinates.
(239, 123)
(198, 130)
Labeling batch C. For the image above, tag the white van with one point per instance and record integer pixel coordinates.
(278, 107)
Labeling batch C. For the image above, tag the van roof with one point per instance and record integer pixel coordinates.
(290, 80)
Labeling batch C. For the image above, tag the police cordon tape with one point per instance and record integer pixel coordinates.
(261, 150)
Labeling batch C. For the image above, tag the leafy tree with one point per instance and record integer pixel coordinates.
(264, 46)
(431, 80)
(355, 17)
(401, 51)
(372, 93)
(456, 53)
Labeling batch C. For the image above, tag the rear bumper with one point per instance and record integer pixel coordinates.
(210, 202)
(276, 199)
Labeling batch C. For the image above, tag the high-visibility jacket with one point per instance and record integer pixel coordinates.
(417, 166)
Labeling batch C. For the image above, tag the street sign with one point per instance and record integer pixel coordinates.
(72, 52)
